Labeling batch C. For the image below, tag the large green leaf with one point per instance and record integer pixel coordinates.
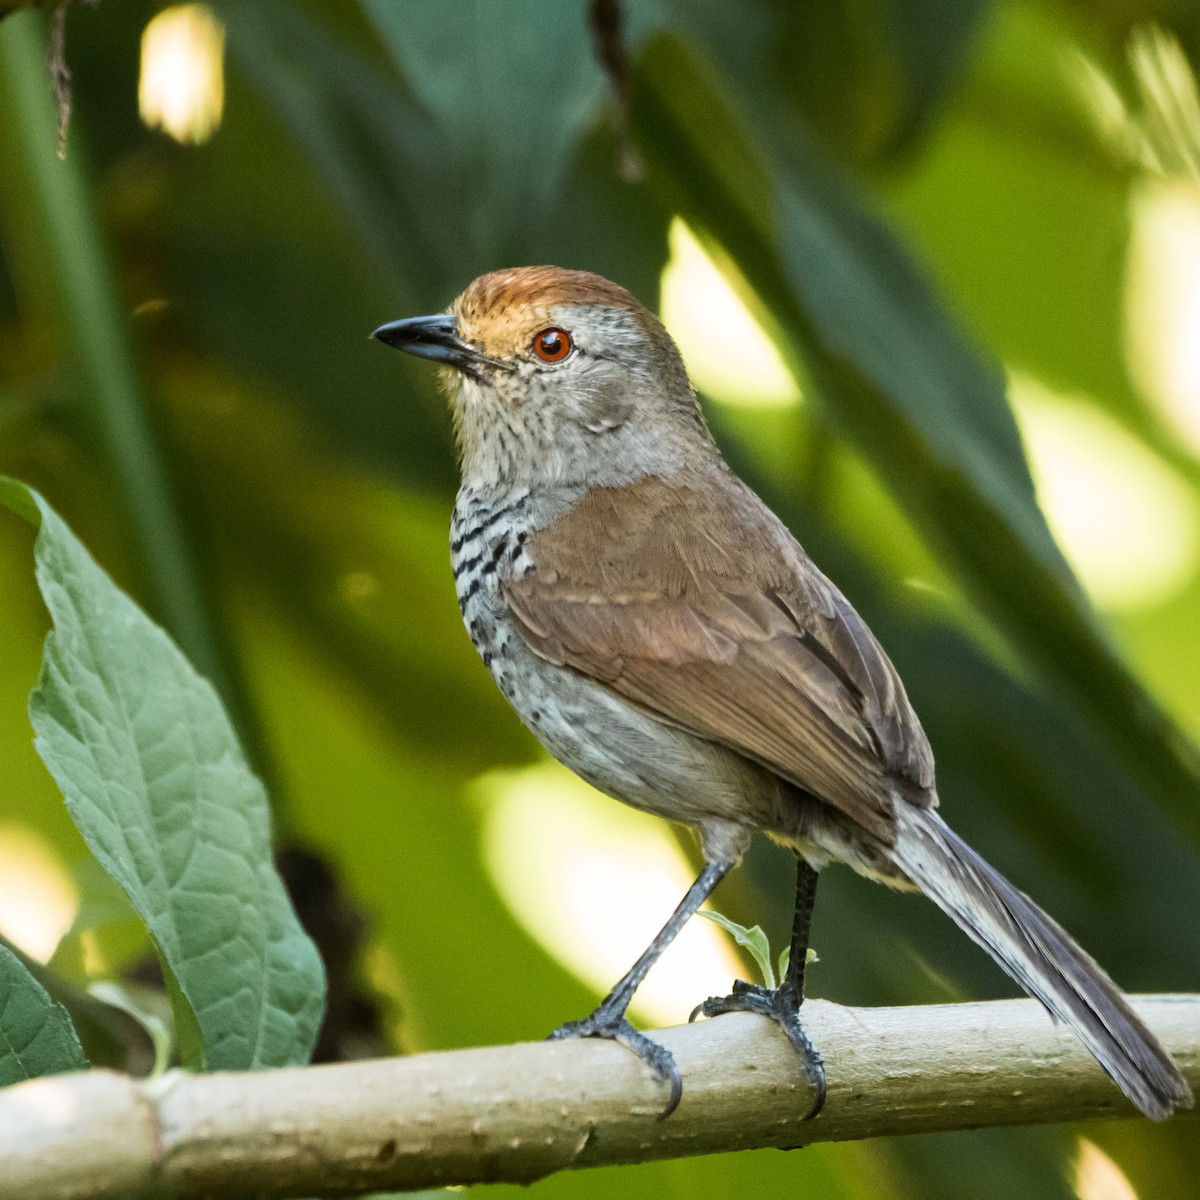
(900, 380)
(866, 76)
(513, 89)
(395, 179)
(930, 40)
(155, 780)
(36, 1035)
(447, 184)
(379, 152)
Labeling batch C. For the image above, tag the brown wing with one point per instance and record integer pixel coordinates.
(691, 600)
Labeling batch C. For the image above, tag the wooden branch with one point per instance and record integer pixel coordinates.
(521, 1112)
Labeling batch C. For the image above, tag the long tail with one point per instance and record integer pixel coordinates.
(1041, 956)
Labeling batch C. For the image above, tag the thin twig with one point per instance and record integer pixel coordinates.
(520, 1112)
(56, 56)
(60, 73)
(606, 22)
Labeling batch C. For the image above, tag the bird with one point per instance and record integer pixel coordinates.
(664, 635)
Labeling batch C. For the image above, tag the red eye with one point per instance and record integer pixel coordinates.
(553, 345)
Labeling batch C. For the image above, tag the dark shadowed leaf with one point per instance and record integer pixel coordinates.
(403, 191)
(866, 77)
(930, 40)
(378, 151)
(513, 89)
(36, 1035)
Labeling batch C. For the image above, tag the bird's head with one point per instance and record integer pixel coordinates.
(556, 376)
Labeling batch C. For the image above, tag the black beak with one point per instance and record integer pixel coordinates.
(434, 338)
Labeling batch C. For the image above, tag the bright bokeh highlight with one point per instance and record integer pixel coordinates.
(181, 89)
(1125, 520)
(38, 899)
(1097, 1177)
(727, 353)
(593, 881)
(1162, 304)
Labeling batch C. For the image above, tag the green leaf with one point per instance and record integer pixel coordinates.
(753, 939)
(36, 1034)
(785, 959)
(930, 39)
(901, 382)
(401, 187)
(380, 154)
(155, 780)
(865, 76)
(513, 89)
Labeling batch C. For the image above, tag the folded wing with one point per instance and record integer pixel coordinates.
(688, 598)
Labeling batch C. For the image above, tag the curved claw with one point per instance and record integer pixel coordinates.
(617, 1029)
(814, 1065)
(784, 1011)
(746, 997)
(817, 1075)
(658, 1058)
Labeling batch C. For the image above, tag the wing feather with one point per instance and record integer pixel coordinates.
(688, 598)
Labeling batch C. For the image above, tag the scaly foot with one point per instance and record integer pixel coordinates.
(781, 1006)
(615, 1027)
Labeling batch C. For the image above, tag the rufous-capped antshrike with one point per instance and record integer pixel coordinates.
(665, 636)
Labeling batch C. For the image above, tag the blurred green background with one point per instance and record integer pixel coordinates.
(935, 267)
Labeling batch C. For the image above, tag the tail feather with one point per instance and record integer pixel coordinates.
(1042, 957)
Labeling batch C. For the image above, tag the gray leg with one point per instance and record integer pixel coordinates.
(609, 1021)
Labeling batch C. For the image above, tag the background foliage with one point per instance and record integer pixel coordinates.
(941, 212)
